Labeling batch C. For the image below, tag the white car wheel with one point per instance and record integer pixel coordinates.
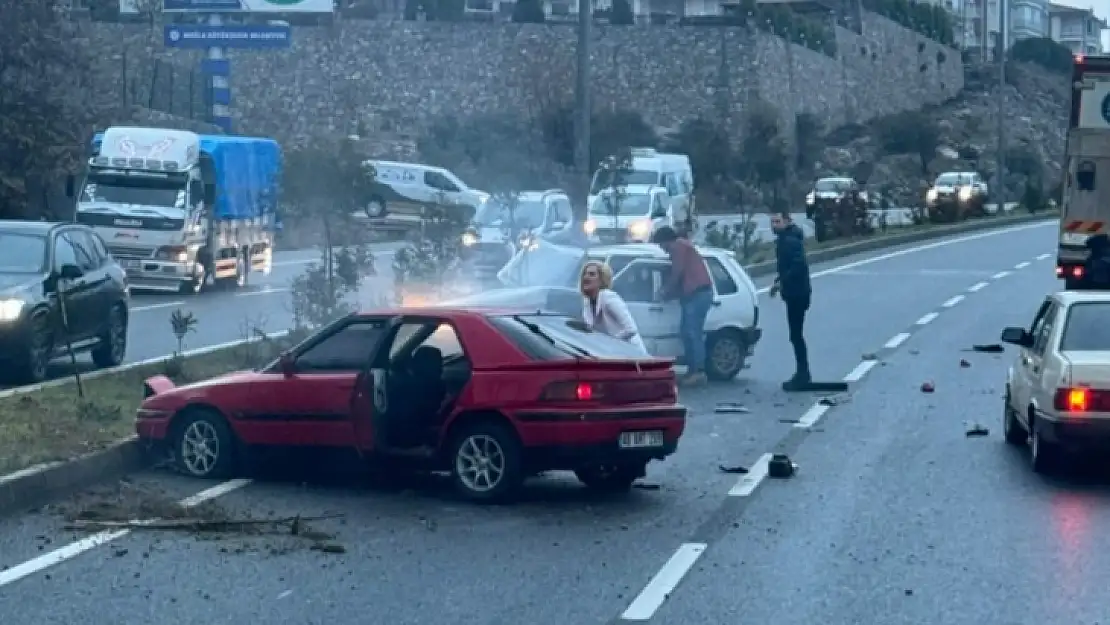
(1044, 456)
(1012, 430)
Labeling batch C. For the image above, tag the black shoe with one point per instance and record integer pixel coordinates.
(799, 382)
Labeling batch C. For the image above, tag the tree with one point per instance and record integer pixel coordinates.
(45, 111)
(910, 132)
(1044, 52)
(621, 13)
(708, 146)
(614, 170)
(529, 12)
(807, 140)
(327, 183)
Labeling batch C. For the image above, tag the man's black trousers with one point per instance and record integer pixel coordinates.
(795, 320)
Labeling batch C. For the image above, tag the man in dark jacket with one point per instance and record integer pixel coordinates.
(793, 284)
(1096, 269)
(690, 284)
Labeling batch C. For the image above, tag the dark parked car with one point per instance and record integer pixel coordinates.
(39, 261)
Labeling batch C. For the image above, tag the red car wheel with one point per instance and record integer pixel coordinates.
(486, 462)
(203, 445)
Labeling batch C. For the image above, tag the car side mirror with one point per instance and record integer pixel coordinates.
(1017, 336)
(209, 194)
(70, 272)
(196, 190)
(287, 364)
(71, 185)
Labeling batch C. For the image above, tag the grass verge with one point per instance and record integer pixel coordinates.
(54, 423)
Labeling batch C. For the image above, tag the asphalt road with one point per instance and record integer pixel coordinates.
(894, 512)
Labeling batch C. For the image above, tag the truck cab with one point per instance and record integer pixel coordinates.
(164, 203)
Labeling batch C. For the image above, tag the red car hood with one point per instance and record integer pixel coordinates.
(163, 388)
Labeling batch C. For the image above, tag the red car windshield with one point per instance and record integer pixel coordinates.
(555, 337)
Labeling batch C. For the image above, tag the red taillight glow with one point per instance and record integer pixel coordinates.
(584, 392)
(572, 391)
(1059, 271)
(1081, 399)
(1077, 272)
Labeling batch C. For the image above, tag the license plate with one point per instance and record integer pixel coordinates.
(638, 440)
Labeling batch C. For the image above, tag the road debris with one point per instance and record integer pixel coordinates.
(195, 525)
(964, 364)
(781, 467)
(869, 356)
(991, 348)
(975, 430)
(728, 407)
(646, 486)
(928, 387)
(736, 470)
(834, 400)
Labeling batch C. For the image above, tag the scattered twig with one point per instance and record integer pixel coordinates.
(731, 408)
(976, 430)
(217, 525)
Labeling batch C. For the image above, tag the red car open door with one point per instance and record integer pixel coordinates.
(370, 397)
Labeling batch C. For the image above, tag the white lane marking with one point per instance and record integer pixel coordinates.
(74, 549)
(953, 301)
(155, 306)
(978, 286)
(926, 319)
(1000, 275)
(1022, 265)
(1043, 256)
(266, 291)
(812, 416)
(855, 375)
(644, 606)
(897, 340)
(747, 484)
(920, 248)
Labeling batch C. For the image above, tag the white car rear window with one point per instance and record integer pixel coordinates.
(1087, 328)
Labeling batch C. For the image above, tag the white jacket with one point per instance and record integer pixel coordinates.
(612, 318)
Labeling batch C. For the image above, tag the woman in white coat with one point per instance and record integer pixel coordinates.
(602, 309)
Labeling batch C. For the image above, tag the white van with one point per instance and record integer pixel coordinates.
(640, 211)
(402, 191)
(649, 167)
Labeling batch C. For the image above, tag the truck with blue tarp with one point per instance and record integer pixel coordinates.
(182, 211)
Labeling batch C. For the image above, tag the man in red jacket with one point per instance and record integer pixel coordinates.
(690, 284)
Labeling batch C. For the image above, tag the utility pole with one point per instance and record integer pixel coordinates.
(999, 191)
(582, 92)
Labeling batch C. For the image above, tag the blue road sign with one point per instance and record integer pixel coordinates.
(199, 36)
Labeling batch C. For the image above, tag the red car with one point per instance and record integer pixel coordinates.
(492, 397)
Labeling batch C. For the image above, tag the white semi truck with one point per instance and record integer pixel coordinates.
(181, 211)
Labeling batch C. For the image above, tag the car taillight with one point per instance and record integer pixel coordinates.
(1059, 271)
(1077, 271)
(572, 391)
(1081, 399)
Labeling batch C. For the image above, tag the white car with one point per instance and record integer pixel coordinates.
(630, 216)
(1058, 390)
(546, 277)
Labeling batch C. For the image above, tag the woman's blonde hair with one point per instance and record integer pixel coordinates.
(604, 273)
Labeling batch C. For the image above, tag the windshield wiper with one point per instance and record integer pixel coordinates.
(535, 329)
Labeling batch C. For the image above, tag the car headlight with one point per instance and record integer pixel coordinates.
(931, 196)
(590, 226)
(640, 229)
(469, 239)
(965, 193)
(810, 198)
(10, 309)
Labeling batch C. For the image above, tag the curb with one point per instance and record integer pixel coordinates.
(28, 488)
(757, 270)
(24, 490)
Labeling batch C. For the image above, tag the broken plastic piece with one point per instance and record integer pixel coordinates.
(977, 430)
(964, 364)
(731, 408)
(781, 467)
(992, 348)
(735, 470)
(928, 387)
(818, 387)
